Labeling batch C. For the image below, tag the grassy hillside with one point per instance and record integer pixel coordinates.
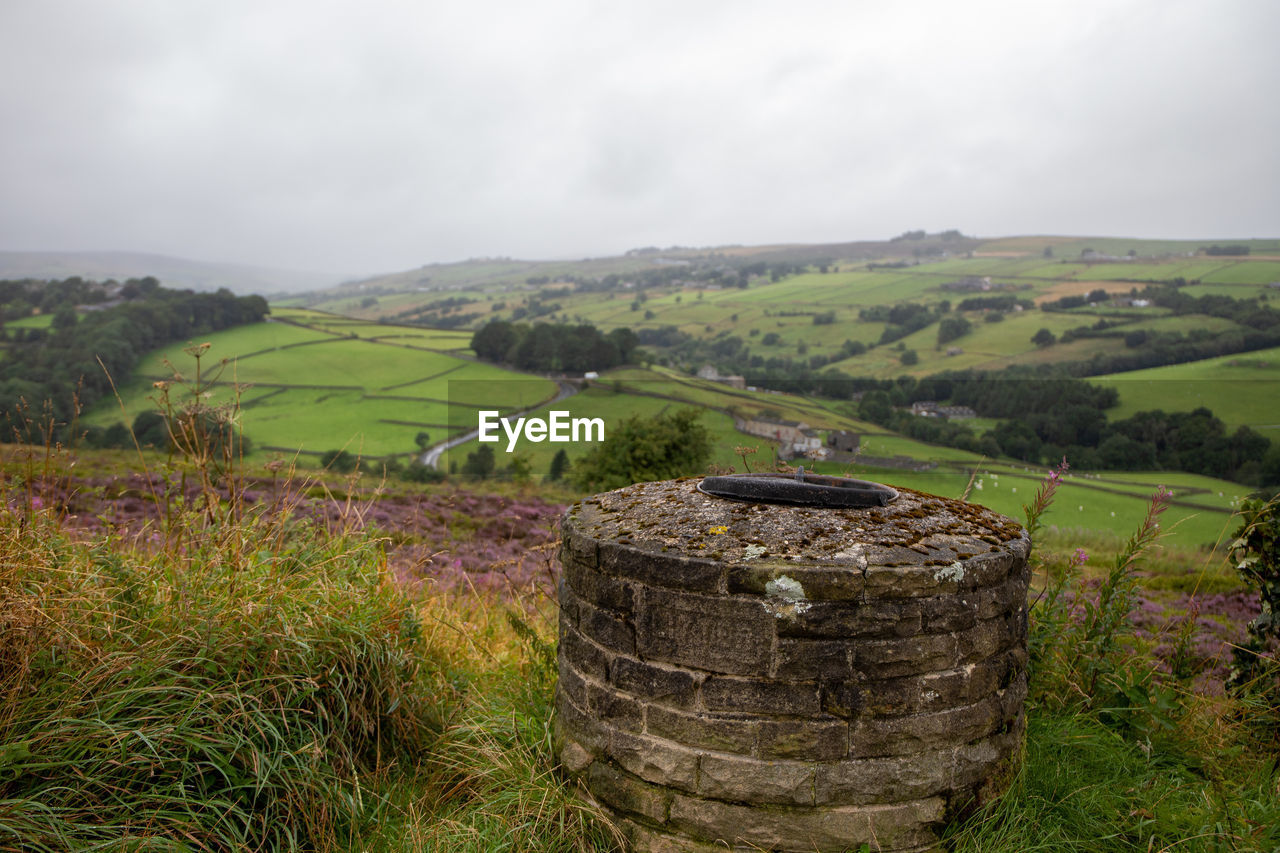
(313, 383)
(1199, 514)
(1241, 389)
(697, 297)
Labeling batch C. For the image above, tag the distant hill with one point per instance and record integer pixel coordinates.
(174, 273)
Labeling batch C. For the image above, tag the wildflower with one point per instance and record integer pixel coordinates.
(1080, 557)
(719, 528)
(37, 502)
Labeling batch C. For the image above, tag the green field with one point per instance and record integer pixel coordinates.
(315, 388)
(1239, 389)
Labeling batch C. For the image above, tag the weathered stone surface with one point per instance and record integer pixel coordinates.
(670, 571)
(573, 542)
(897, 696)
(871, 737)
(985, 640)
(597, 588)
(879, 780)
(667, 684)
(882, 659)
(737, 733)
(650, 840)
(614, 708)
(746, 677)
(809, 739)
(907, 581)
(655, 759)
(820, 583)
(628, 794)
(577, 724)
(737, 779)
(841, 620)
(585, 655)
(811, 660)
(714, 633)
(837, 828)
(603, 627)
(760, 696)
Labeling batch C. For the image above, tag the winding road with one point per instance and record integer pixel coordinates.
(432, 457)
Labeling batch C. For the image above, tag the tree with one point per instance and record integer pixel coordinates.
(1043, 338)
(480, 464)
(645, 449)
(909, 357)
(953, 327)
(342, 461)
(559, 466)
(423, 440)
(876, 407)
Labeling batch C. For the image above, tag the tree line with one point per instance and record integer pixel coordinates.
(553, 347)
(82, 353)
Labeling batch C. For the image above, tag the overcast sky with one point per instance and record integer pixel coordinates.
(359, 137)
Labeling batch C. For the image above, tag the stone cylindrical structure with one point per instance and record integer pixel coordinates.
(786, 678)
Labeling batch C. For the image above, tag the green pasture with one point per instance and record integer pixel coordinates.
(1245, 272)
(1235, 291)
(304, 388)
(1242, 389)
(1093, 504)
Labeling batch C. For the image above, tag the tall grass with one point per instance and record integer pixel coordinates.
(229, 679)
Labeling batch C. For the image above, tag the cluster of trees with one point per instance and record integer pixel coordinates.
(80, 355)
(553, 348)
(1044, 419)
(902, 319)
(644, 449)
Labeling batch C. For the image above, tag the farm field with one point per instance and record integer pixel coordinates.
(315, 388)
(1101, 501)
(1242, 390)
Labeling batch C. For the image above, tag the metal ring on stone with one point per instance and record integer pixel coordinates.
(800, 489)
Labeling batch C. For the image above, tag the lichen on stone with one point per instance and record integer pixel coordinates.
(784, 596)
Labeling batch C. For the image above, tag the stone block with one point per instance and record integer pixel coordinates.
(597, 588)
(878, 737)
(615, 709)
(576, 724)
(803, 830)
(846, 620)
(760, 696)
(948, 613)
(669, 571)
(576, 545)
(736, 733)
(887, 583)
(985, 639)
(628, 794)
(713, 633)
(656, 760)
(807, 739)
(654, 682)
(877, 660)
(605, 628)
(986, 570)
(890, 697)
(820, 583)
(879, 780)
(749, 780)
(811, 660)
(585, 656)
